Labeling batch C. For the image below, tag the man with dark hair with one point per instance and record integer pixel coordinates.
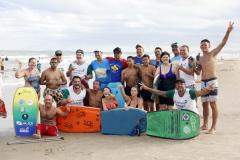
(208, 67)
(101, 68)
(94, 96)
(157, 61)
(53, 78)
(176, 59)
(140, 53)
(117, 64)
(130, 75)
(147, 73)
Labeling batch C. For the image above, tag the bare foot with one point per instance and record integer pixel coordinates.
(211, 131)
(36, 136)
(204, 127)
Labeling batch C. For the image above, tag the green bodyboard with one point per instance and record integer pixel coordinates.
(173, 124)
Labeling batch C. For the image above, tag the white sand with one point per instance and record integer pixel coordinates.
(224, 145)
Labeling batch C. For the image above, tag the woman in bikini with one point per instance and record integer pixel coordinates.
(30, 74)
(134, 100)
(109, 101)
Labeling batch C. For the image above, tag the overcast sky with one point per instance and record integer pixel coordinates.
(105, 24)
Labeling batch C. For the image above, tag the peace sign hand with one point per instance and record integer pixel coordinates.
(230, 26)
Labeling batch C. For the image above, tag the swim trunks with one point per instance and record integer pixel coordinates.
(211, 96)
(146, 96)
(47, 130)
(55, 93)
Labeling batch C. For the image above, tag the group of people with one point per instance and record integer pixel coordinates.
(148, 84)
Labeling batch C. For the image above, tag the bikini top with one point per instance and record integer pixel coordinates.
(133, 106)
(168, 75)
(34, 80)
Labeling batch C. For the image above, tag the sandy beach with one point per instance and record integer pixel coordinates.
(221, 146)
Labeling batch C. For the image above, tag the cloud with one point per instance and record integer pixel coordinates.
(70, 24)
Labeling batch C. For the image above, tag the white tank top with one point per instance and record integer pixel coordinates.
(189, 79)
(185, 102)
(77, 98)
(80, 69)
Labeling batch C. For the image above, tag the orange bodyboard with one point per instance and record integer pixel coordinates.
(80, 119)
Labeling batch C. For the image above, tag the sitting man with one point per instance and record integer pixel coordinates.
(48, 115)
(75, 94)
(183, 97)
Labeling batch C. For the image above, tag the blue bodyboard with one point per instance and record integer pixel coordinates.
(116, 91)
(122, 122)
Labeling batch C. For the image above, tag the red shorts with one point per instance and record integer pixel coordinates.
(47, 130)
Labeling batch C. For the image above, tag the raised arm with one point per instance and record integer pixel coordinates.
(61, 113)
(224, 41)
(20, 72)
(126, 97)
(154, 91)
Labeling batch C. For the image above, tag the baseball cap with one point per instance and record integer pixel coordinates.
(79, 51)
(58, 52)
(174, 45)
(181, 80)
(117, 50)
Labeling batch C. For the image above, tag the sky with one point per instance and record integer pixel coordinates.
(104, 25)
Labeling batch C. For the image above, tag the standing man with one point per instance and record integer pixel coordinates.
(94, 96)
(117, 64)
(185, 67)
(53, 78)
(147, 73)
(157, 61)
(101, 68)
(140, 53)
(176, 59)
(130, 75)
(62, 65)
(79, 68)
(208, 68)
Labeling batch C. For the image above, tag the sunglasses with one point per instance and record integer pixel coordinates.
(58, 54)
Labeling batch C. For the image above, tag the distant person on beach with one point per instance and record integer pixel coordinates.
(130, 75)
(165, 77)
(134, 100)
(30, 74)
(79, 68)
(117, 64)
(101, 68)
(147, 73)
(186, 67)
(208, 67)
(75, 93)
(157, 61)
(6, 58)
(1, 64)
(183, 97)
(53, 78)
(94, 96)
(109, 101)
(175, 50)
(39, 66)
(140, 53)
(48, 115)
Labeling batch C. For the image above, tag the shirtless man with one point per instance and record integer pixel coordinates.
(53, 78)
(147, 73)
(48, 115)
(130, 75)
(208, 67)
(94, 96)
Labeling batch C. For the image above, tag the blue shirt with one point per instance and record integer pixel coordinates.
(154, 63)
(116, 68)
(176, 59)
(138, 60)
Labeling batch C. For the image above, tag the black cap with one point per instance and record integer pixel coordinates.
(117, 50)
(181, 80)
(79, 51)
(58, 52)
(174, 45)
